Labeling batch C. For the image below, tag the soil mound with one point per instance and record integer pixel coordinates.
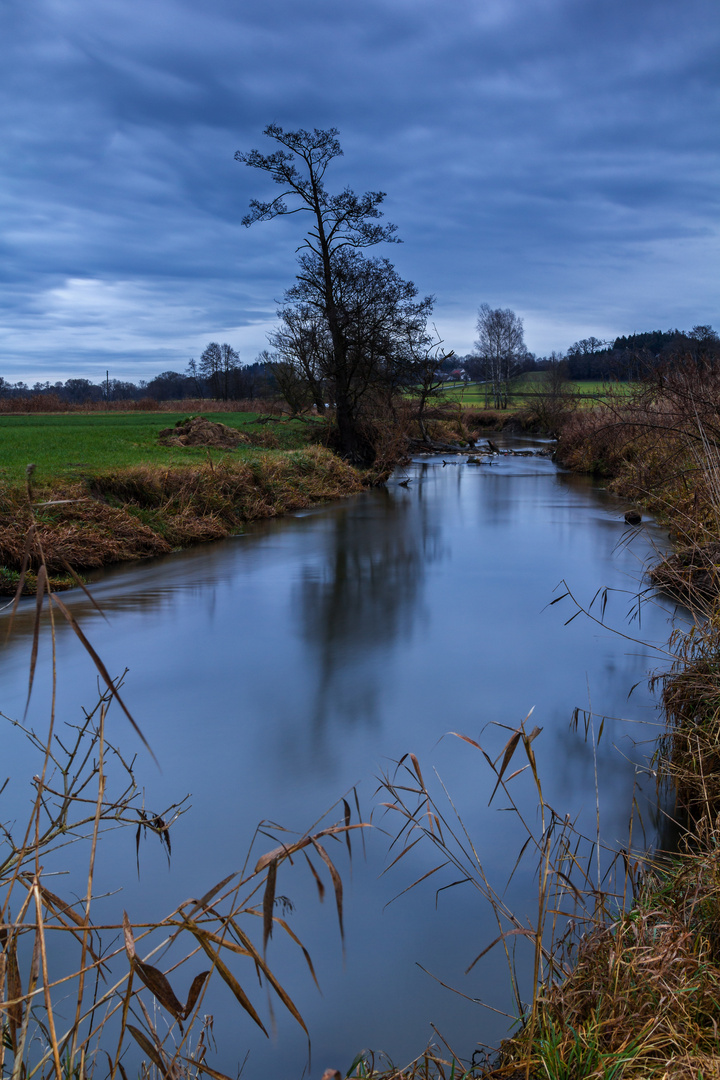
(199, 431)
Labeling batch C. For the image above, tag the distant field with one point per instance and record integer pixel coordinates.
(76, 444)
(526, 386)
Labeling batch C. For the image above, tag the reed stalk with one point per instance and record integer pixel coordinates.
(127, 1004)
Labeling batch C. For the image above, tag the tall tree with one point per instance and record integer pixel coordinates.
(384, 333)
(340, 222)
(501, 348)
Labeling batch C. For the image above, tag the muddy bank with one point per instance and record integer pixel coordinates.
(134, 513)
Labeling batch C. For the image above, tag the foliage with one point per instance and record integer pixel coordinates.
(387, 344)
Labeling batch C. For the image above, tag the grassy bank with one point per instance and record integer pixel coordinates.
(105, 490)
(626, 967)
(640, 995)
(75, 445)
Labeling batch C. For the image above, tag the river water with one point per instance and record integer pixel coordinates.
(275, 671)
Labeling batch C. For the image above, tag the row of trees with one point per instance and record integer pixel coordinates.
(630, 357)
(501, 354)
(207, 378)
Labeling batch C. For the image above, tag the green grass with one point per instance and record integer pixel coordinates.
(525, 386)
(77, 444)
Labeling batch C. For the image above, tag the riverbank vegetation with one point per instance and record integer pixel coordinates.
(625, 946)
(101, 489)
(88, 991)
(115, 486)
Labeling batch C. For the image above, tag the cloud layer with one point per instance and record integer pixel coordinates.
(554, 156)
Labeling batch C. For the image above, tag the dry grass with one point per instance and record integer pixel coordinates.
(642, 994)
(688, 755)
(138, 512)
(79, 999)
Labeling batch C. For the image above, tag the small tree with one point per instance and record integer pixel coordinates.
(302, 357)
(501, 346)
(551, 396)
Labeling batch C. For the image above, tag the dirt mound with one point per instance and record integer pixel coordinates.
(199, 431)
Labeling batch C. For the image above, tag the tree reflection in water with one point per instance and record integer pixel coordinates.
(363, 594)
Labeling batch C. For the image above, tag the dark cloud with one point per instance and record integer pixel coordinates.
(556, 156)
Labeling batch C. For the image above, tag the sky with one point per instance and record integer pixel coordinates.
(556, 157)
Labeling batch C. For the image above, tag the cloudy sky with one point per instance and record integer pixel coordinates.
(559, 157)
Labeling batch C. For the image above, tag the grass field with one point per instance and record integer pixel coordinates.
(67, 446)
(525, 387)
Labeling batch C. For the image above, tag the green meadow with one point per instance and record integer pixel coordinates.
(526, 387)
(70, 445)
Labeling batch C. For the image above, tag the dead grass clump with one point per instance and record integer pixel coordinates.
(72, 529)
(690, 574)
(688, 755)
(234, 491)
(643, 991)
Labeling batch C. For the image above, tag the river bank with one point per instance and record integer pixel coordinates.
(635, 991)
(133, 494)
(106, 488)
(272, 671)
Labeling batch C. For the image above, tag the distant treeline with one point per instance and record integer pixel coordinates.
(246, 382)
(219, 375)
(625, 358)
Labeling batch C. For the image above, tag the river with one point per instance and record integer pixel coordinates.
(273, 672)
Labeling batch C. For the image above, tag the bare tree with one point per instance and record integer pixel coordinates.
(501, 347)
(384, 330)
(340, 222)
(303, 352)
(217, 365)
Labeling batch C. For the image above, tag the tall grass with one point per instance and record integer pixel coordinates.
(130, 1000)
(132, 513)
(625, 960)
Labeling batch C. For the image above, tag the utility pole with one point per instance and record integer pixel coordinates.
(107, 390)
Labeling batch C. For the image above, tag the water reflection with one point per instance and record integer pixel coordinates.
(273, 671)
(357, 599)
